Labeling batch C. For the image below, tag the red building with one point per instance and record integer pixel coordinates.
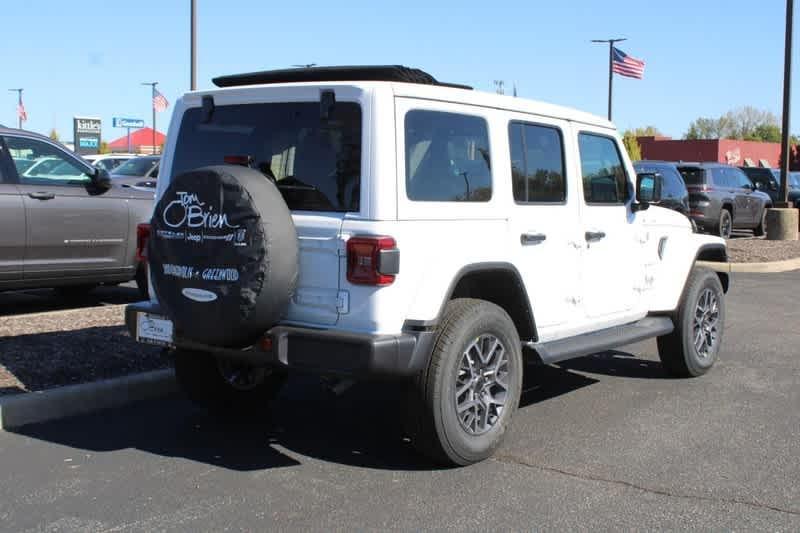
(141, 142)
(730, 151)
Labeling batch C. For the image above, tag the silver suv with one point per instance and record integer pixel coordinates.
(64, 224)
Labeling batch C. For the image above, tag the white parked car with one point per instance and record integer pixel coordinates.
(373, 222)
(109, 162)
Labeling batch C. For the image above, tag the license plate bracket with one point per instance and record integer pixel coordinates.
(154, 329)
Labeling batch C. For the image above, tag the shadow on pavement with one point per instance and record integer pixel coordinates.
(617, 363)
(362, 427)
(43, 300)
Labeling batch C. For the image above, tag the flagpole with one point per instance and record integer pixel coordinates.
(19, 106)
(610, 67)
(153, 84)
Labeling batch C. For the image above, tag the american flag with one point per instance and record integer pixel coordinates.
(21, 113)
(625, 65)
(159, 101)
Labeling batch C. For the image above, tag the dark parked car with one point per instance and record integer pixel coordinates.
(767, 180)
(64, 223)
(722, 198)
(140, 172)
(673, 191)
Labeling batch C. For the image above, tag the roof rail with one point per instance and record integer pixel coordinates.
(396, 73)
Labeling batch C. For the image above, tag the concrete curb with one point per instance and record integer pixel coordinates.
(32, 407)
(763, 268)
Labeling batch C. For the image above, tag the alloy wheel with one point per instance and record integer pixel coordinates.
(482, 384)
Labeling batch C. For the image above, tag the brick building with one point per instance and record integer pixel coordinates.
(730, 151)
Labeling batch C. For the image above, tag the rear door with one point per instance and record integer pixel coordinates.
(745, 205)
(12, 222)
(542, 219)
(314, 162)
(70, 233)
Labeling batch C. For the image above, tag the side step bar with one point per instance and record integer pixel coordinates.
(600, 341)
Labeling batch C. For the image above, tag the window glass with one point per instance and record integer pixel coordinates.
(740, 178)
(315, 163)
(674, 184)
(138, 166)
(537, 163)
(447, 157)
(693, 175)
(604, 178)
(38, 163)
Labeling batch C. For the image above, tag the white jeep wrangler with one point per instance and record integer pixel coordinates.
(373, 222)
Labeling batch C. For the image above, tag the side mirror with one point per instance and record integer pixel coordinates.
(648, 189)
(100, 181)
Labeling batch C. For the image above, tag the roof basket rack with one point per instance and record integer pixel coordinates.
(397, 73)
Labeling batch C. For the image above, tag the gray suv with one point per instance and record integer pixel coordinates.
(722, 198)
(64, 224)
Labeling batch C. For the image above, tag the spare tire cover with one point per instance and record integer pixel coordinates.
(222, 255)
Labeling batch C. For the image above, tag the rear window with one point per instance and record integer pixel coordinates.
(693, 175)
(315, 163)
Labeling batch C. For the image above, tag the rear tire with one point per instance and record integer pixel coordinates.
(761, 229)
(693, 347)
(463, 402)
(226, 387)
(725, 224)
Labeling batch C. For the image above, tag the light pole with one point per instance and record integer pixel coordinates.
(610, 66)
(153, 84)
(193, 75)
(19, 106)
(783, 197)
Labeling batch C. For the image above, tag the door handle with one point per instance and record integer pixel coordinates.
(41, 195)
(527, 239)
(594, 236)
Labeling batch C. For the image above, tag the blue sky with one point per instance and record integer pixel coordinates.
(703, 57)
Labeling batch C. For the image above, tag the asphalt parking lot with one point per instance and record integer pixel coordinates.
(603, 442)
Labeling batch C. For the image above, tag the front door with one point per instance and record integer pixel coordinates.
(543, 224)
(12, 222)
(70, 233)
(611, 260)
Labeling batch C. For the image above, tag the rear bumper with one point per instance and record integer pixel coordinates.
(318, 350)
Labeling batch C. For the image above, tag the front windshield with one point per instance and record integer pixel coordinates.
(138, 166)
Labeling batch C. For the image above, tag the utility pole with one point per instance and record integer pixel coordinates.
(153, 84)
(783, 197)
(610, 65)
(193, 46)
(19, 106)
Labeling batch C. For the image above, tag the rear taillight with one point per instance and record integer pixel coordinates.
(142, 235)
(372, 260)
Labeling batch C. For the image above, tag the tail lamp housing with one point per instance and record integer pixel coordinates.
(142, 236)
(372, 260)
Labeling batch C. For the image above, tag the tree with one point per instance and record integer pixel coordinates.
(104, 149)
(54, 134)
(632, 145)
(742, 123)
(647, 131)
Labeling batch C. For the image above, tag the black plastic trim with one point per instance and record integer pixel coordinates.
(321, 351)
(605, 339)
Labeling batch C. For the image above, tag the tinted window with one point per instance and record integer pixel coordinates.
(604, 178)
(40, 163)
(138, 166)
(537, 163)
(315, 163)
(693, 175)
(447, 157)
(739, 178)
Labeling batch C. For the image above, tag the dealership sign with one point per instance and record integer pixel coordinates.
(127, 122)
(86, 134)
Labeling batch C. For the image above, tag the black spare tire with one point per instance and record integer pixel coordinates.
(223, 255)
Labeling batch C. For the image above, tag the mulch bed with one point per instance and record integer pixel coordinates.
(47, 350)
(760, 250)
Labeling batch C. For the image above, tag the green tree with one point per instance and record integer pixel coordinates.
(632, 145)
(742, 123)
(647, 131)
(104, 149)
(54, 135)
